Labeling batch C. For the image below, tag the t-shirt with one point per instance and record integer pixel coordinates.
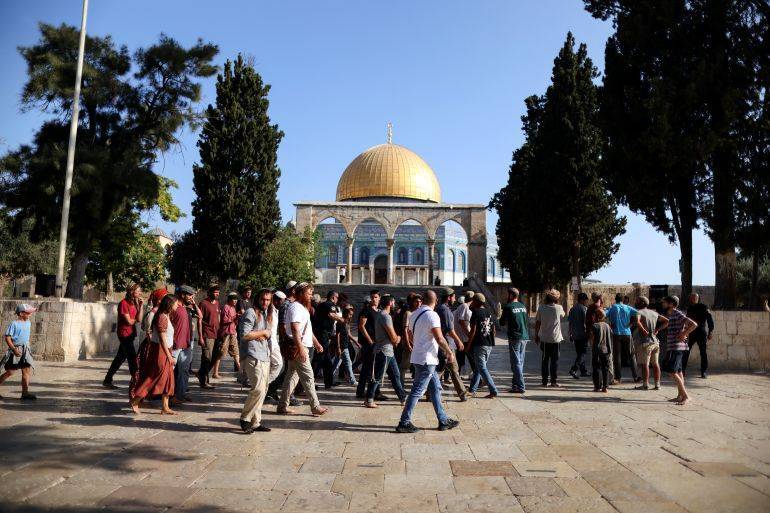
(550, 317)
(422, 322)
(227, 316)
(462, 313)
(577, 321)
(484, 334)
(322, 311)
(210, 311)
(382, 342)
(602, 338)
(619, 317)
(369, 314)
(649, 319)
(675, 324)
(180, 320)
(515, 317)
(447, 324)
(126, 307)
(700, 313)
(19, 332)
(295, 312)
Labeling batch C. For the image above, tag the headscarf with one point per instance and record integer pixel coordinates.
(157, 295)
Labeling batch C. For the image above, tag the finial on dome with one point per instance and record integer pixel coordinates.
(390, 132)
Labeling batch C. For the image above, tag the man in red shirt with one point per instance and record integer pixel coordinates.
(129, 310)
(210, 315)
(227, 340)
(181, 349)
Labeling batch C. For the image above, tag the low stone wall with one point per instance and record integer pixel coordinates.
(741, 342)
(66, 330)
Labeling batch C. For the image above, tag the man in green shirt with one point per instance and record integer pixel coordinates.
(516, 318)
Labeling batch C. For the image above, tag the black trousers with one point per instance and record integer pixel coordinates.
(704, 357)
(600, 363)
(581, 348)
(367, 368)
(326, 359)
(550, 361)
(621, 350)
(126, 351)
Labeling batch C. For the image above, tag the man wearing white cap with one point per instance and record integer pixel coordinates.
(19, 355)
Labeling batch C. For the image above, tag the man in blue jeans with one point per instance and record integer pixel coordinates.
(385, 339)
(425, 326)
(481, 342)
(516, 319)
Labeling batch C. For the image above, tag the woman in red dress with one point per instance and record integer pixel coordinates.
(157, 374)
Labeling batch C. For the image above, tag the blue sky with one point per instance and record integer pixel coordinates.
(451, 76)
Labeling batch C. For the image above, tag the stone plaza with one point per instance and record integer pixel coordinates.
(79, 449)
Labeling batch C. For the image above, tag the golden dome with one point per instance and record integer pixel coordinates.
(389, 171)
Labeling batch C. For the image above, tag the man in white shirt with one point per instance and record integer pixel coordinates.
(425, 326)
(298, 327)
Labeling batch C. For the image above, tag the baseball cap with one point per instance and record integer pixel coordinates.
(186, 289)
(25, 307)
(279, 294)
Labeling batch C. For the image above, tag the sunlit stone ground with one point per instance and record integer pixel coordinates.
(79, 449)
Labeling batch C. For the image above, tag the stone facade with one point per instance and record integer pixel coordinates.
(741, 342)
(66, 330)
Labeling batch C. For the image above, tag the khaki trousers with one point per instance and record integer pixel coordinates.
(457, 381)
(258, 373)
(297, 371)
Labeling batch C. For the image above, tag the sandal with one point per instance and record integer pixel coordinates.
(320, 411)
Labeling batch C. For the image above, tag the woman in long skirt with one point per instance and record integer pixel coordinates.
(157, 375)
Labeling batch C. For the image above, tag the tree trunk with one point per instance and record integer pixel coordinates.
(724, 290)
(753, 297)
(77, 276)
(685, 247)
(110, 286)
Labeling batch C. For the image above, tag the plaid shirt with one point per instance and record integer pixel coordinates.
(675, 324)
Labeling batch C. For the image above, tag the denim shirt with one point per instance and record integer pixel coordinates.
(257, 349)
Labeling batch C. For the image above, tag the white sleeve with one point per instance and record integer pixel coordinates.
(435, 320)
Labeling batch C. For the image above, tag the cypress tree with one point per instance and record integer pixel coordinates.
(236, 212)
(571, 225)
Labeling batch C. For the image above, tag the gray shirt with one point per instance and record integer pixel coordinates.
(381, 338)
(249, 321)
(649, 319)
(550, 317)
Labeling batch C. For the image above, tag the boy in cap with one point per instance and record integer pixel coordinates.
(18, 355)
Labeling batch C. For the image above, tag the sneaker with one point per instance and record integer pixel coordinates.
(555, 385)
(28, 397)
(642, 387)
(574, 374)
(407, 428)
(262, 429)
(656, 387)
(109, 384)
(703, 375)
(449, 424)
(490, 395)
(516, 391)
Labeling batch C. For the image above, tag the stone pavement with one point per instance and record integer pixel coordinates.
(79, 449)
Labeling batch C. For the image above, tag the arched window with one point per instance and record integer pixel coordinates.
(462, 262)
(452, 262)
(491, 270)
(418, 257)
(363, 256)
(403, 256)
(333, 255)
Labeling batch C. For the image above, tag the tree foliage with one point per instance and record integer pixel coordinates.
(185, 261)
(20, 256)
(558, 165)
(289, 256)
(681, 80)
(132, 107)
(236, 209)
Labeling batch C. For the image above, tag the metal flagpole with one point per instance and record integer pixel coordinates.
(65, 208)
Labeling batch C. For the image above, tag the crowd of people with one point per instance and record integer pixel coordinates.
(281, 341)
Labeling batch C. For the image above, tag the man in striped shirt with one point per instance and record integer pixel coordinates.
(679, 327)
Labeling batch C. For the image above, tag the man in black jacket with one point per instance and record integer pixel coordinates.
(699, 313)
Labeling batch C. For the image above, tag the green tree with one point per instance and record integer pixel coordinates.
(129, 256)
(289, 256)
(573, 224)
(236, 209)
(131, 110)
(680, 81)
(186, 262)
(20, 256)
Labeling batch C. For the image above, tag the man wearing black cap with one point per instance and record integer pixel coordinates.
(181, 350)
(453, 339)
